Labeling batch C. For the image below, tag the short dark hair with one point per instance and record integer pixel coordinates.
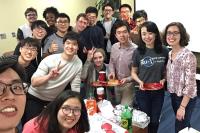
(119, 24)
(50, 10)
(51, 111)
(108, 4)
(71, 36)
(185, 38)
(32, 42)
(30, 9)
(63, 15)
(12, 62)
(140, 13)
(81, 15)
(39, 23)
(91, 9)
(125, 5)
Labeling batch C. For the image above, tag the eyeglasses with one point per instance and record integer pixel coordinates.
(31, 14)
(173, 33)
(32, 49)
(18, 88)
(108, 10)
(62, 22)
(67, 110)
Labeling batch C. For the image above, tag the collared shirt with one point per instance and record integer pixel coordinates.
(120, 60)
(181, 74)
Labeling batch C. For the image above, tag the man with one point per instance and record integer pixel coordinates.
(25, 30)
(53, 75)
(107, 23)
(81, 23)
(53, 44)
(139, 17)
(119, 65)
(92, 36)
(125, 15)
(12, 94)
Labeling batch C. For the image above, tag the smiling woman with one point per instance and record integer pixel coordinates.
(66, 114)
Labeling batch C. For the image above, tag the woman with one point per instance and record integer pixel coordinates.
(90, 72)
(149, 62)
(66, 114)
(181, 70)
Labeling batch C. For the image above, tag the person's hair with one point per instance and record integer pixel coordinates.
(119, 24)
(184, 36)
(63, 15)
(39, 23)
(108, 4)
(71, 35)
(125, 5)
(30, 9)
(52, 10)
(151, 27)
(31, 42)
(49, 114)
(91, 9)
(101, 51)
(81, 15)
(140, 13)
(12, 62)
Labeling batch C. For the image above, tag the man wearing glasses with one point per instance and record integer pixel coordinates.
(12, 94)
(25, 30)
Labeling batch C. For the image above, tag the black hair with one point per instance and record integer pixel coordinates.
(151, 27)
(71, 36)
(31, 42)
(184, 36)
(49, 114)
(140, 13)
(125, 5)
(52, 10)
(63, 15)
(12, 62)
(30, 9)
(39, 23)
(108, 4)
(119, 24)
(91, 9)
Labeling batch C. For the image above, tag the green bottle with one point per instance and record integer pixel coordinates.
(126, 119)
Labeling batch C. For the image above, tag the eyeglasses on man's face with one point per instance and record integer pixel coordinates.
(18, 88)
(32, 49)
(67, 110)
(31, 14)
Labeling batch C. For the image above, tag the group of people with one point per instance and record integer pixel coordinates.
(58, 58)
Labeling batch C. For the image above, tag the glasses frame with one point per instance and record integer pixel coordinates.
(12, 88)
(32, 49)
(67, 110)
(175, 33)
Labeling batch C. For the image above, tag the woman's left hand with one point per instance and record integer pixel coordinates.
(180, 114)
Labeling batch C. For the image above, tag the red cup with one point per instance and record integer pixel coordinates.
(102, 76)
(100, 93)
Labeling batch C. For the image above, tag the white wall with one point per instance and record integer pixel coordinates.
(163, 12)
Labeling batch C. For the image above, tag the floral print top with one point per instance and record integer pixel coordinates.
(181, 74)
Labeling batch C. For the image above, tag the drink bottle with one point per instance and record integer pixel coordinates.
(126, 119)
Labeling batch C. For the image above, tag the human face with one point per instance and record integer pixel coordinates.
(62, 25)
(125, 13)
(92, 18)
(122, 35)
(98, 59)
(51, 19)
(11, 105)
(67, 121)
(81, 24)
(108, 12)
(39, 33)
(139, 21)
(70, 47)
(148, 37)
(31, 17)
(28, 53)
(173, 36)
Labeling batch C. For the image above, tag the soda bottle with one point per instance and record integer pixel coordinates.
(91, 105)
(126, 119)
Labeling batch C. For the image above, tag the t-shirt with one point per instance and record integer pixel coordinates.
(151, 65)
(69, 73)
